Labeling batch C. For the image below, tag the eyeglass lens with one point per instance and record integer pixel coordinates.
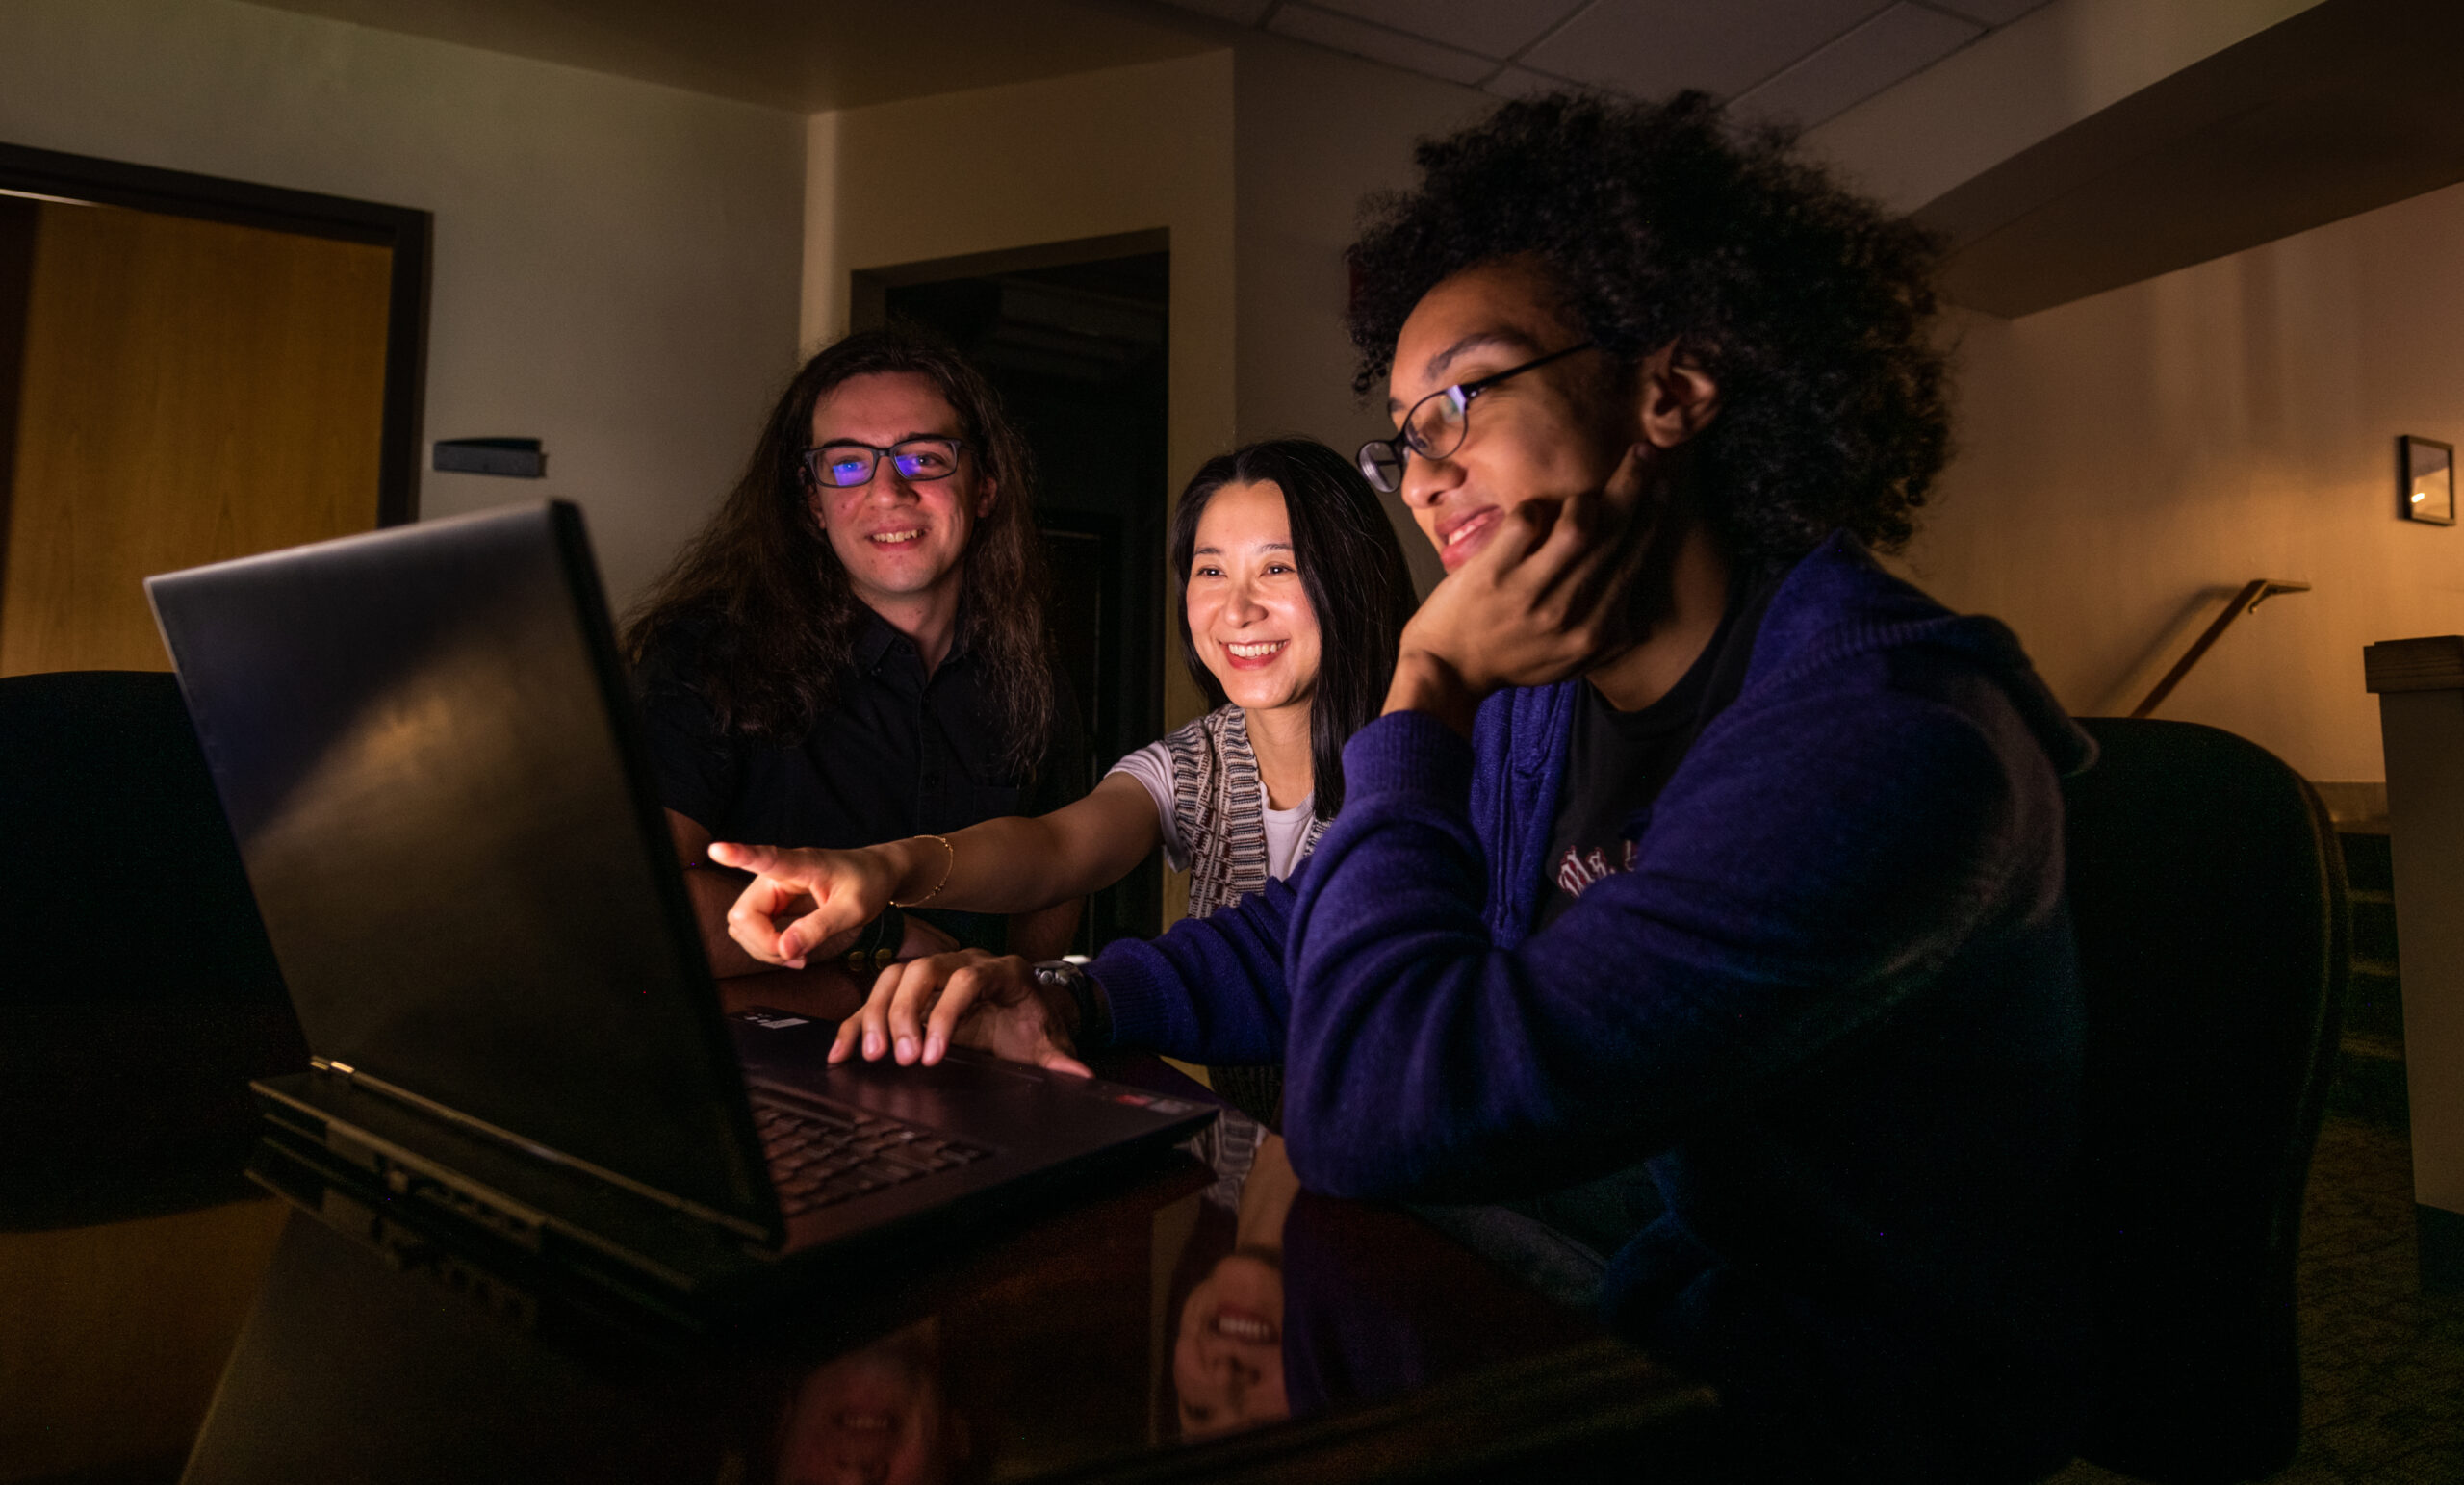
(849, 465)
(1382, 466)
(1432, 430)
(1435, 428)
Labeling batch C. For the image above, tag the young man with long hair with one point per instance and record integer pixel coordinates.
(856, 649)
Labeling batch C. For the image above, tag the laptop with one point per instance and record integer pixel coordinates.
(429, 757)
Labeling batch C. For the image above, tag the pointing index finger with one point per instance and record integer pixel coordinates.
(743, 858)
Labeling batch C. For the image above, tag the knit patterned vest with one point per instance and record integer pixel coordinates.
(1219, 805)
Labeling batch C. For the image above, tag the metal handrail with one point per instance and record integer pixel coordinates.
(2257, 591)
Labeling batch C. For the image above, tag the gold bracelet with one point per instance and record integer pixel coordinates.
(945, 873)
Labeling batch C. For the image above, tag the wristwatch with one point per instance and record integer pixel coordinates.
(876, 944)
(1070, 977)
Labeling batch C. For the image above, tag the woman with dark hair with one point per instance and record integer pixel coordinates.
(1262, 541)
(856, 648)
(1291, 499)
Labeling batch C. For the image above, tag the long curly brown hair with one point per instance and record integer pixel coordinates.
(1668, 221)
(773, 617)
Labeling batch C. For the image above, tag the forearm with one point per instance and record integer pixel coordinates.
(1020, 864)
(1425, 681)
(1047, 934)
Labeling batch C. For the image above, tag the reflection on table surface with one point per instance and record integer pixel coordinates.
(1109, 1327)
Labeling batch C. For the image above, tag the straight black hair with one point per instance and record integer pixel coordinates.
(1341, 542)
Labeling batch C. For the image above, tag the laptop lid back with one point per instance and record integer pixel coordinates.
(424, 744)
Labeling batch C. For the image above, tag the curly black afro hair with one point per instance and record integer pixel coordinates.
(1660, 223)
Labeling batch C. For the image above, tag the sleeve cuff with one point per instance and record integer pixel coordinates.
(1408, 753)
(1146, 1015)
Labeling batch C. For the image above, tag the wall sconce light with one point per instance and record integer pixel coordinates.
(2425, 480)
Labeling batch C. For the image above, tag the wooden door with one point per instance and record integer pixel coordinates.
(188, 390)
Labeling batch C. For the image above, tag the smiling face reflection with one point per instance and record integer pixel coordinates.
(874, 1418)
(1227, 1360)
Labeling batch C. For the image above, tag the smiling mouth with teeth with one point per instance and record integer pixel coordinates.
(895, 538)
(1256, 652)
(1469, 529)
(1244, 1328)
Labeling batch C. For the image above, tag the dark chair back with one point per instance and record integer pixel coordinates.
(2209, 898)
(138, 993)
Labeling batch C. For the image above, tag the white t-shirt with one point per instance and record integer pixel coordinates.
(1152, 767)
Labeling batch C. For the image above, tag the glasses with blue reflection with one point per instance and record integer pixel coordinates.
(844, 465)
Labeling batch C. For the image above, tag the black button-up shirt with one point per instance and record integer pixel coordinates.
(896, 753)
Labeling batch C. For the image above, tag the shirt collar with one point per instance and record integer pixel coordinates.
(878, 636)
(876, 640)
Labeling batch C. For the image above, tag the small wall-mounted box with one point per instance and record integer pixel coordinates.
(517, 458)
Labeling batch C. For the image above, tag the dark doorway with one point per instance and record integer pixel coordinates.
(1079, 353)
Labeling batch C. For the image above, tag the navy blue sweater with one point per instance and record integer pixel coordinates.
(1833, 1002)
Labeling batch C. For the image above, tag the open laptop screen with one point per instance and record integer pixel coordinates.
(422, 744)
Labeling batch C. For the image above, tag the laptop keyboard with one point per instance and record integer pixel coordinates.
(818, 1157)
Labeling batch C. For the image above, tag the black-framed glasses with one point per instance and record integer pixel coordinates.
(1434, 427)
(844, 464)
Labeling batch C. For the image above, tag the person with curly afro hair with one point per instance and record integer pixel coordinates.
(1696, 908)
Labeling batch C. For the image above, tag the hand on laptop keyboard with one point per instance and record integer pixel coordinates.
(918, 1008)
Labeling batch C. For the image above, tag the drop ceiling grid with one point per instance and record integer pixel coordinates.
(1802, 60)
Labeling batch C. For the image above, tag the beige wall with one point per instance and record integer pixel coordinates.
(1314, 133)
(2129, 458)
(616, 263)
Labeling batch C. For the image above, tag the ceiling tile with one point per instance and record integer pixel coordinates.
(1343, 34)
(1239, 13)
(1653, 47)
(1484, 26)
(1523, 82)
(1902, 40)
(798, 55)
(1991, 13)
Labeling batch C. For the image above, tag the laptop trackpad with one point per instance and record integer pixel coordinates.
(933, 1096)
(953, 1075)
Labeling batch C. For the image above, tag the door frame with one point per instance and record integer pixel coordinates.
(409, 233)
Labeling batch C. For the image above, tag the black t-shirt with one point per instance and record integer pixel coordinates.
(895, 754)
(1618, 762)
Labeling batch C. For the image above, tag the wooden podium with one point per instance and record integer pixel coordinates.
(2420, 685)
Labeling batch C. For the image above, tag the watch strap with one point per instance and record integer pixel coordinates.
(1094, 1027)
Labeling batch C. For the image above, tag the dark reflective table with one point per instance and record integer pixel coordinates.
(1196, 1317)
